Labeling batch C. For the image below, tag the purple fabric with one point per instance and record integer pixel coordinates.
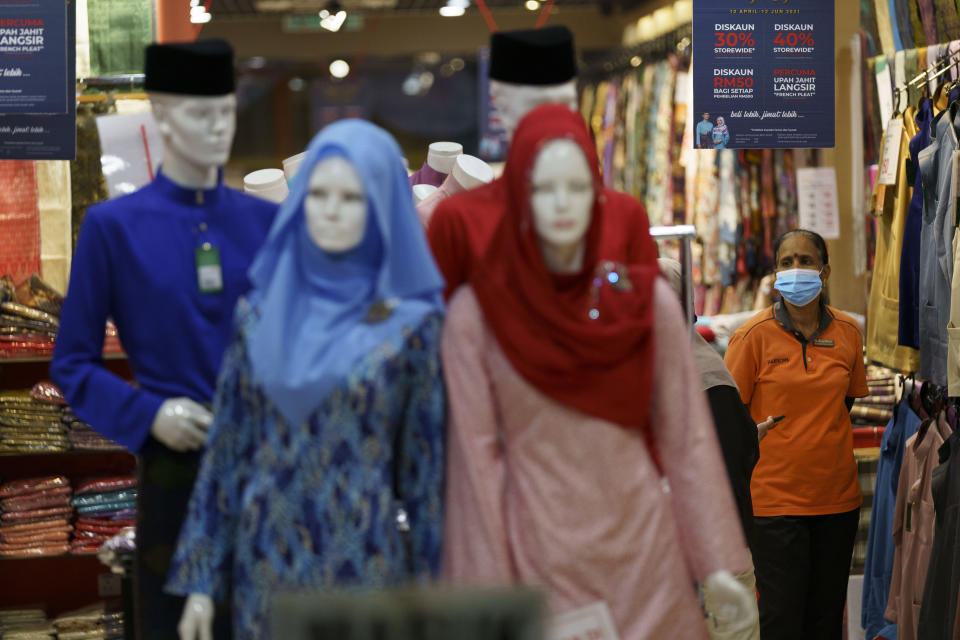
(427, 175)
(927, 16)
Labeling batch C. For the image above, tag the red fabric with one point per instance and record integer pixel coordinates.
(32, 485)
(463, 225)
(603, 366)
(19, 220)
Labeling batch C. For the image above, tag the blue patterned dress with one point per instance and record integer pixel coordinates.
(291, 507)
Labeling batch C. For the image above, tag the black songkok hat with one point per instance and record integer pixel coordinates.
(533, 56)
(202, 68)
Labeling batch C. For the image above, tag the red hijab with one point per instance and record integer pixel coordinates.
(584, 339)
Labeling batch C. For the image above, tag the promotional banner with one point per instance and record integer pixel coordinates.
(763, 74)
(37, 80)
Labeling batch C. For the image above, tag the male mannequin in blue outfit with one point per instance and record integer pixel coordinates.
(167, 263)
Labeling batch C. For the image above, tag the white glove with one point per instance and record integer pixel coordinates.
(197, 619)
(181, 424)
(730, 606)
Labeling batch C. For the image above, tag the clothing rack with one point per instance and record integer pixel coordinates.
(685, 234)
(622, 59)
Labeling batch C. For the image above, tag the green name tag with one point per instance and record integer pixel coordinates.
(209, 271)
(822, 343)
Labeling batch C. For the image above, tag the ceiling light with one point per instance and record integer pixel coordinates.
(296, 84)
(457, 64)
(199, 17)
(324, 14)
(636, 61)
(458, 3)
(334, 21)
(532, 5)
(452, 12)
(339, 69)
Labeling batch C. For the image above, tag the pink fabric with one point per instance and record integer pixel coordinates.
(544, 495)
(426, 206)
(913, 547)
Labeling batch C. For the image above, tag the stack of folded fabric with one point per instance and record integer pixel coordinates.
(25, 624)
(104, 507)
(870, 415)
(30, 425)
(88, 623)
(35, 517)
(84, 438)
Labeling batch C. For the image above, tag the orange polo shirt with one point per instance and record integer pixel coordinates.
(806, 462)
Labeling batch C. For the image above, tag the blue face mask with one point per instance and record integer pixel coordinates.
(799, 286)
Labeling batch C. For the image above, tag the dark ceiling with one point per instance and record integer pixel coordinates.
(283, 7)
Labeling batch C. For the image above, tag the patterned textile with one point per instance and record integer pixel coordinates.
(867, 462)
(281, 506)
(19, 220)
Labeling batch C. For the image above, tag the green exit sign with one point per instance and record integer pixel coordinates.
(299, 22)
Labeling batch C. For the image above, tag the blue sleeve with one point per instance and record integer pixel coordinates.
(726, 138)
(100, 398)
(421, 461)
(204, 554)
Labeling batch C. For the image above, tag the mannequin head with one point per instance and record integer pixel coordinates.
(562, 197)
(335, 208)
(530, 67)
(514, 101)
(191, 89)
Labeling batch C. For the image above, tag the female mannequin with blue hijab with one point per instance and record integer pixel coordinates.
(325, 463)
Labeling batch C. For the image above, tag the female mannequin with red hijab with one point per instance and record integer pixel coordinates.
(558, 421)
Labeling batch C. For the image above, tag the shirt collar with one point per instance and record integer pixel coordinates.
(195, 197)
(782, 316)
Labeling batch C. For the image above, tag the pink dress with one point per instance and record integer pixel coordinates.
(543, 495)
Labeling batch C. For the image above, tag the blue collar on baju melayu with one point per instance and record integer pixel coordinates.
(196, 197)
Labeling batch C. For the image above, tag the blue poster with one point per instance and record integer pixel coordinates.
(763, 74)
(37, 80)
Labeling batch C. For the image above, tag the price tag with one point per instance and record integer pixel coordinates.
(884, 90)
(890, 163)
(592, 622)
(209, 271)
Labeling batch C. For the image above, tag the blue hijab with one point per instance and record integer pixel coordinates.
(320, 314)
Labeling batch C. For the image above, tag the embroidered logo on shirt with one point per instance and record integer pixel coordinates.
(778, 361)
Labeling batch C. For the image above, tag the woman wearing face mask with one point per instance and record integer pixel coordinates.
(327, 440)
(803, 360)
(572, 388)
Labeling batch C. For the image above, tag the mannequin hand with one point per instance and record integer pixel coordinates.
(729, 603)
(196, 623)
(765, 426)
(181, 424)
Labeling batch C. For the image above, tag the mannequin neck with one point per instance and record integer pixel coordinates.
(563, 259)
(186, 174)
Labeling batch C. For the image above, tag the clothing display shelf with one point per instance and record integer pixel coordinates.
(685, 234)
(66, 582)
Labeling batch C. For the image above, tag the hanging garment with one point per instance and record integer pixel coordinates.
(936, 248)
(940, 593)
(885, 27)
(928, 17)
(916, 25)
(895, 30)
(878, 570)
(884, 313)
(330, 412)
(948, 24)
(913, 524)
(908, 325)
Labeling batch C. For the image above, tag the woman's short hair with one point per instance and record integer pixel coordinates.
(814, 237)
